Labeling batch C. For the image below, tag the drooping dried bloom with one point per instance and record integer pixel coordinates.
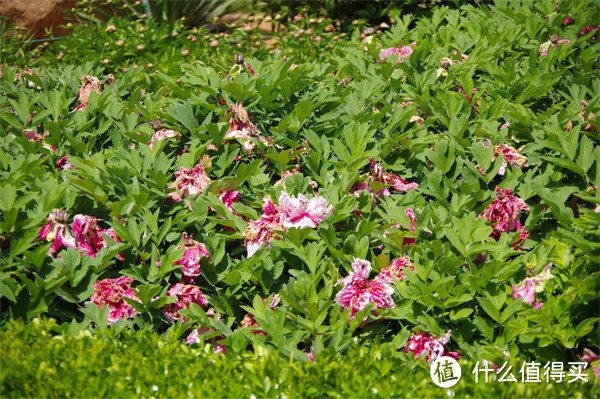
(190, 182)
(358, 292)
(32, 135)
(89, 84)
(504, 211)
(57, 231)
(87, 234)
(394, 270)
(239, 119)
(23, 75)
(286, 173)
(590, 357)
(376, 173)
(111, 292)
(510, 155)
(250, 322)
(300, 212)
(161, 134)
(532, 285)
(190, 263)
(194, 337)
(432, 347)
(63, 163)
(185, 295)
(413, 219)
(554, 40)
(259, 233)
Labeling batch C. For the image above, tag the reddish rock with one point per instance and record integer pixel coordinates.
(37, 15)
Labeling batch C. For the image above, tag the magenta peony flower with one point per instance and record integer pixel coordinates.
(87, 234)
(433, 348)
(301, 212)
(111, 292)
(504, 211)
(394, 270)
(587, 30)
(358, 292)
(57, 231)
(228, 198)
(190, 264)
(259, 233)
(185, 295)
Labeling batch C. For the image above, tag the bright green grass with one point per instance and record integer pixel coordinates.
(34, 363)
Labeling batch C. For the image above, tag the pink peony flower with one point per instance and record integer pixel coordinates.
(190, 182)
(525, 291)
(432, 347)
(57, 231)
(358, 292)
(300, 212)
(228, 198)
(298, 17)
(403, 52)
(185, 295)
(190, 263)
(120, 43)
(214, 43)
(111, 28)
(504, 211)
(140, 47)
(87, 234)
(394, 270)
(259, 233)
(111, 292)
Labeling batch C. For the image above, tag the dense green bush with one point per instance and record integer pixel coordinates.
(142, 364)
(469, 104)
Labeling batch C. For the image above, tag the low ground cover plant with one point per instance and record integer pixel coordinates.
(430, 189)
